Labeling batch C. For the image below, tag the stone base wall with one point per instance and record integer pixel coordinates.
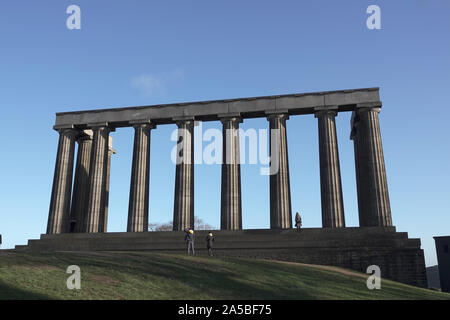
(406, 266)
(400, 258)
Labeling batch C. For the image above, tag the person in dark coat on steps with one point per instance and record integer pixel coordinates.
(209, 243)
(186, 231)
(190, 238)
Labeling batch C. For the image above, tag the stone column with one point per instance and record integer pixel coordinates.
(359, 190)
(97, 177)
(231, 203)
(373, 196)
(58, 217)
(103, 220)
(183, 213)
(280, 193)
(140, 174)
(81, 183)
(330, 172)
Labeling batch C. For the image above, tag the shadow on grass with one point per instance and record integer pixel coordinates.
(8, 292)
(213, 279)
(144, 275)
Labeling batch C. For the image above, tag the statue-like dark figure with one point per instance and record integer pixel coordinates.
(298, 221)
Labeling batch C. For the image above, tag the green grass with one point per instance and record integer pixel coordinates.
(138, 275)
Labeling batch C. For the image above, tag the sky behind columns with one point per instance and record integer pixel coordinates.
(131, 53)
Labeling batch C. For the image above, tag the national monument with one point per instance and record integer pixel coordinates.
(77, 218)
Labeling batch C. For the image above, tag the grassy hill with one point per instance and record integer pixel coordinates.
(140, 275)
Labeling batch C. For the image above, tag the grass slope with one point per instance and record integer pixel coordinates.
(138, 275)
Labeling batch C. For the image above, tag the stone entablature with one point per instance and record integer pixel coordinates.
(292, 104)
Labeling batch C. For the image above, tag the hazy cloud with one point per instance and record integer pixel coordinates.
(156, 84)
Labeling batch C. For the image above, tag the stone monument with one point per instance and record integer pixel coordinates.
(84, 210)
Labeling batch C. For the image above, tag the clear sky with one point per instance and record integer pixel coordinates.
(131, 53)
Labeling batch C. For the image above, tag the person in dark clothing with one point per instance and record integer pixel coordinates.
(72, 225)
(209, 243)
(298, 221)
(190, 238)
(186, 231)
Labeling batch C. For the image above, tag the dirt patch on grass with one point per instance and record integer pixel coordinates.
(46, 267)
(327, 268)
(103, 279)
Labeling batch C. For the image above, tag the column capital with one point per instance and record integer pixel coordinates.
(63, 127)
(99, 125)
(85, 135)
(320, 111)
(376, 104)
(69, 132)
(179, 121)
(376, 109)
(354, 121)
(277, 114)
(146, 124)
(230, 117)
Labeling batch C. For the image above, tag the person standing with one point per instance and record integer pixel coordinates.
(298, 221)
(190, 238)
(186, 231)
(209, 243)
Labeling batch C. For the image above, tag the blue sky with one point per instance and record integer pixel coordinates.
(130, 53)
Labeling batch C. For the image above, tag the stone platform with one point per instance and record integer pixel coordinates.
(400, 258)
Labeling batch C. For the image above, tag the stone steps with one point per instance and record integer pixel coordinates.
(170, 246)
(241, 239)
(399, 257)
(232, 233)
